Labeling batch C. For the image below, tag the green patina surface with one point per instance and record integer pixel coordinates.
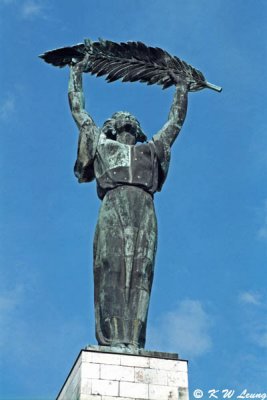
(125, 242)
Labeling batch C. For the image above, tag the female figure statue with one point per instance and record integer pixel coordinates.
(127, 176)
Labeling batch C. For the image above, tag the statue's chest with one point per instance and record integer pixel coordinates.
(117, 164)
(112, 155)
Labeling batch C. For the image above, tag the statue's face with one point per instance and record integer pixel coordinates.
(126, 127)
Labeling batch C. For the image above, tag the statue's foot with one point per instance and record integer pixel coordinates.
(132, 348)
(119, 346)
(125, 347)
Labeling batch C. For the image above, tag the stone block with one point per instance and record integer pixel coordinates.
(168, 365)
(106, 358)
(105, 387)
(159, 392)
(134, 390)
(117, 373)
(148, 375)
(183, 379)
(91, 371)
(135, 361)
(86, 386)
(182, 366)
(173, 378)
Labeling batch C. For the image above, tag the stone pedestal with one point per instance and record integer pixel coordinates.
(99, 374)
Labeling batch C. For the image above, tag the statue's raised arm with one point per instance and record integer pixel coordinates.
(89, 132)
(165, 138)
(75, 94)
(177, 114)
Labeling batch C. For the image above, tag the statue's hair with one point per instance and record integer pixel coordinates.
(110, 131)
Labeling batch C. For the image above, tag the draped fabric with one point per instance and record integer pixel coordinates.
(124, 253)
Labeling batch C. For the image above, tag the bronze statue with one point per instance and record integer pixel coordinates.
(127, 176)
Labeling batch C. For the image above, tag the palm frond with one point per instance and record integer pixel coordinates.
(130, 62)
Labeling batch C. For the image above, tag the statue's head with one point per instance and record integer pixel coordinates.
(122, 123)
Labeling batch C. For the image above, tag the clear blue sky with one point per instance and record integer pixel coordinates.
(209, 298)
